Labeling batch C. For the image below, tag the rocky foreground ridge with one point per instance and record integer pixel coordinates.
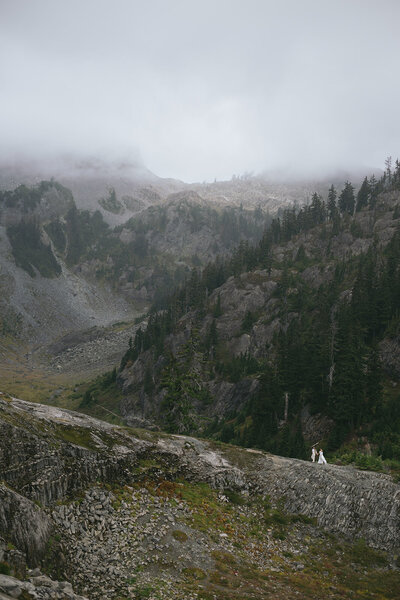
(113, 509)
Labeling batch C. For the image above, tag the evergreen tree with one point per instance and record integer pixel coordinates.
(217, 310)
(264, 410)
(388, 170)
(374, 388)
(301, 256)
(373, 190)
(227, 433)
(75, 243)
(148, 383)
(298, 446)
(285, 445)
(317, 210)
(248, 322)
(211, 340)
(346, 199)
(347, 391)
(332, 205)
(363, 195)
(87, 400)
(177, 402)
(396, 176)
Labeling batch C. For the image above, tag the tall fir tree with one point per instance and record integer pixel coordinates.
(363, 195)
(347, 199)
(332, 204)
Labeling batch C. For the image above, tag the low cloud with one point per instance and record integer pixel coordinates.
(199, 91)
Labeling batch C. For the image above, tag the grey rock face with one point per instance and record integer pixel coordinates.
(47, 466)
(39, 586)
(316, 427)
(342, 499)
(22, 522)
(389, 350)
(231, 396)
(10, 585)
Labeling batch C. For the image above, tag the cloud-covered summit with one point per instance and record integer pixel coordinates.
(202, 90)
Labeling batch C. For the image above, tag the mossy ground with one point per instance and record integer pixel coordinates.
(20, 380)
(261, 552)
(34, 385)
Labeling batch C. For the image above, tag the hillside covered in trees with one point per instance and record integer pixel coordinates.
(292, 338)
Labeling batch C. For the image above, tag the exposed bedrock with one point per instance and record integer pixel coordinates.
(48, 455)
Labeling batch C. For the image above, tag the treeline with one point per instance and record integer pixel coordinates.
(27, 198)
(336, 206)
(230, 223)
(29, 251)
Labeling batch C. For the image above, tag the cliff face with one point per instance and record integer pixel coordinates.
(48, 454)
(90, 501)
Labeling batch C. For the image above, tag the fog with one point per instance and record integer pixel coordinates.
(202, 90)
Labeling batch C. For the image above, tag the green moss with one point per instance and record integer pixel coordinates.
(224, 558)
(234, 497)
(80, 436)
(145, 434)
(25, 596)
(208, 514)
(180, 536)
(149, 463)
(145, 591)
(367, 556)
(194, 573)
(5, 568)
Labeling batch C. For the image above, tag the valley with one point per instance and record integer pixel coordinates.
(199, 300)
(166, 362)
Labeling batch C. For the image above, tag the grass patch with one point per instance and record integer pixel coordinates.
(145, 591)
(234, 497)
(194, 573)
(179, 535)
(79, 436)
(5, 568)
(144, 434)
(208, 514)
(20, 381)
(366, 556)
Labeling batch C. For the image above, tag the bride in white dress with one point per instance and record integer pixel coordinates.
(321, 458)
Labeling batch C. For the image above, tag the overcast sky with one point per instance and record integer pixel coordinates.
(203, 89)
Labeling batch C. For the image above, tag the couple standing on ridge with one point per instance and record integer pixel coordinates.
(321, 457)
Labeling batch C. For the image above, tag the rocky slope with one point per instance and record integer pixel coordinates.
(62, 269)
(41, 297)
(125, 513)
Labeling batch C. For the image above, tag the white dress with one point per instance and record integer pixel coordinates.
(313, 454)
(321, 459)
